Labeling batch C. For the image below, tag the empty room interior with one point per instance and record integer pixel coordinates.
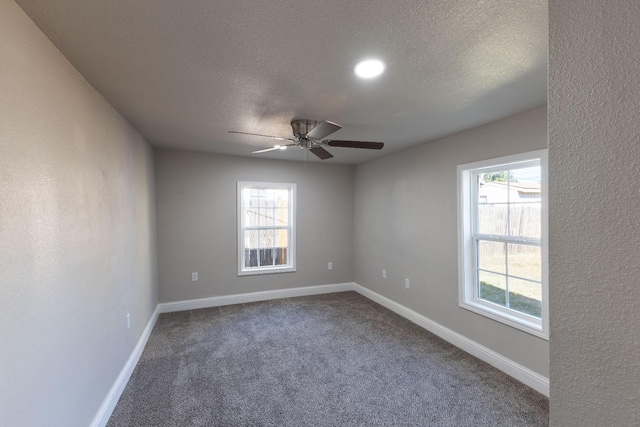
(319, 213)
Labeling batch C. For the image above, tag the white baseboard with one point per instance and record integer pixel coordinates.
(109, 403)
(508, 366)
(193, 304)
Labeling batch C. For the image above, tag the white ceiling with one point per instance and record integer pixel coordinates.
(185, 72)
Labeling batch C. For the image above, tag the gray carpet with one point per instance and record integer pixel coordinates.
(327, 360)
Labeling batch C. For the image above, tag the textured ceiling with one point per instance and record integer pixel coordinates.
(185, 72)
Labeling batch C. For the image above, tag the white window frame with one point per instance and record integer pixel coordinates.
(467, 253)
(291, 248)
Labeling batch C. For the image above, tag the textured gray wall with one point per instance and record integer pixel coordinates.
(77, 245)
(196, 205)
(406, 205)
(594, 153)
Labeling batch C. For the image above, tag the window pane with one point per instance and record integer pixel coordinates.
(266, 246)
(251, 239)
(266, 217)
(274, 249)
(525, 261)
(492, 287)
(251, 217)
(527, 178)
(281, 197)
(492, 188)
(281, 238)
(280, 255)
(525, 297)
(492, 219)
(250, 248)
(250, 258)
(524, 220)
(281, 217)
(252, 196)
(265, 197)
(491, 256)
(266, 238)
(246, 196)
(266, 257)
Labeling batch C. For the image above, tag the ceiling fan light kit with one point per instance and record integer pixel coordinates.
(310, 134)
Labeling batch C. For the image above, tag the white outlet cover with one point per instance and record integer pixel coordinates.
(194, 277)
(384, 274)
(330, 266)
(406, 283)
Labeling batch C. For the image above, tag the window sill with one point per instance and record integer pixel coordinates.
(267, 270)
(532, 326)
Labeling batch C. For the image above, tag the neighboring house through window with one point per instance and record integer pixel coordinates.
(266, 228)
(503, 240)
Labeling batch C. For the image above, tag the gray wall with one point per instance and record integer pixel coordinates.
(77, 246)
(406, 205)
(594, 152)
(196, 205)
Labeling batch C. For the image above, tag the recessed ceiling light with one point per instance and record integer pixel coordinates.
(369, 68)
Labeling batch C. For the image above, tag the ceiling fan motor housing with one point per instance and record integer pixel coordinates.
(301, 127)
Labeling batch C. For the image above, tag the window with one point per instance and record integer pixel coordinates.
(503, 240)
(266, 228)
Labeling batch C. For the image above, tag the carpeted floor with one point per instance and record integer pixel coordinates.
(326, 360)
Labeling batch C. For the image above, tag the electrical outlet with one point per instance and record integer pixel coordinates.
(406, 283)
(128, 320)
(330, 265)
(384, 274)
(194, 277)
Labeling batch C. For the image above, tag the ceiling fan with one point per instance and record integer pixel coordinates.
(309, 134)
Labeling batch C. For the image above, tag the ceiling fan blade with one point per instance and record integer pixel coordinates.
(354, 144)
(323, 129)
(321, 152)
(276, 147)
(264, 150)
(265, 136)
